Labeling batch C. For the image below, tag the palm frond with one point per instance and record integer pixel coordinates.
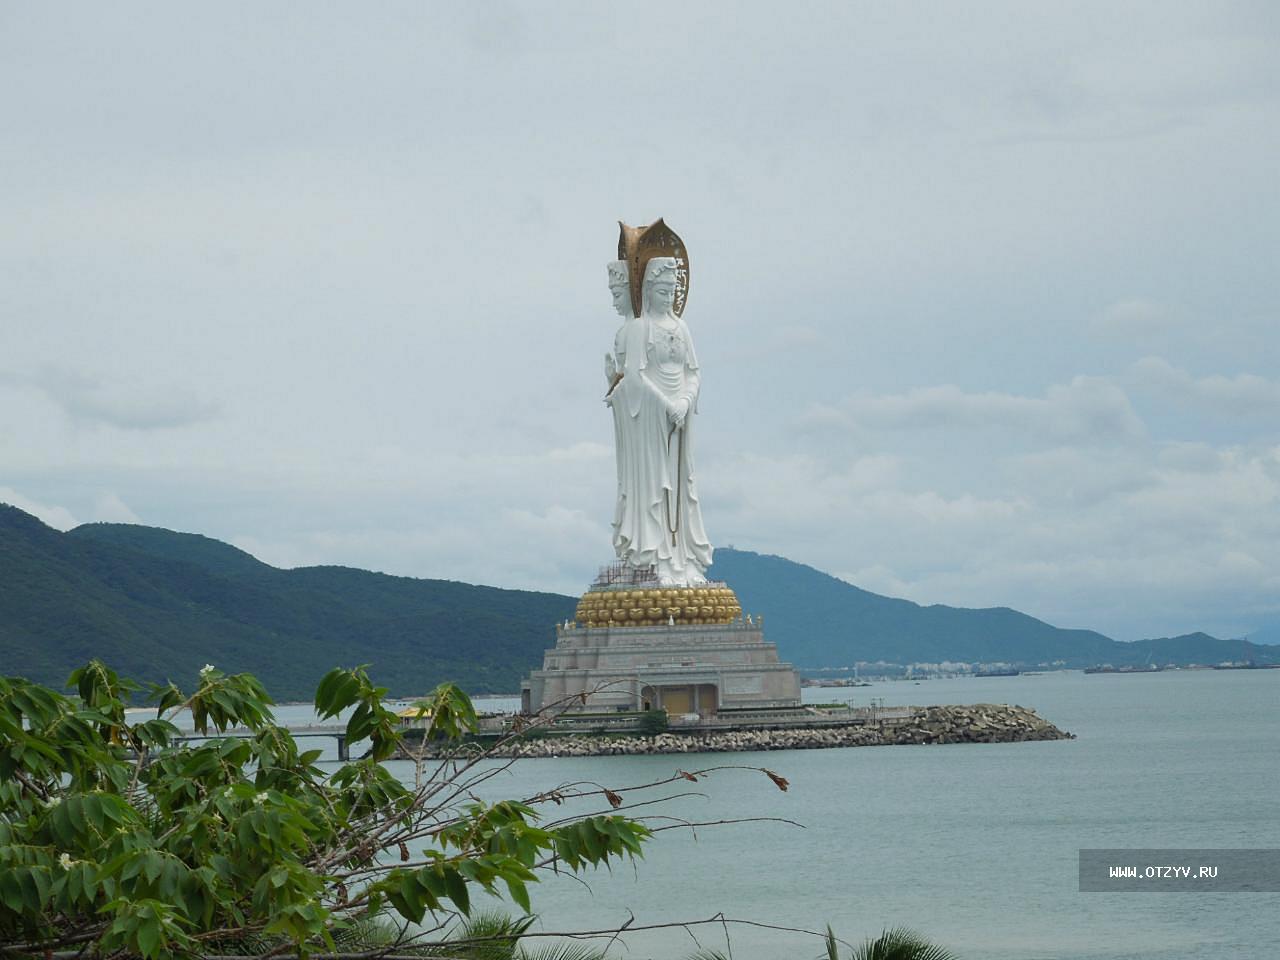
(486, 935)
(364, 934)
(561, 951)
(898, 944)
(833, 952)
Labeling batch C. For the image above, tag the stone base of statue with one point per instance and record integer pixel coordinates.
(636, 645)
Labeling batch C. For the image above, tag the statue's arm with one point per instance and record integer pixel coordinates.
(692, 374)
(693, 384)
(614, 364)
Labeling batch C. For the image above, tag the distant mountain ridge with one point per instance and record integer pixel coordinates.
(214, 555)
(158, 604)
(820, 621)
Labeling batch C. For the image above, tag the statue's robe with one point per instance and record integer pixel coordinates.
(658, 522)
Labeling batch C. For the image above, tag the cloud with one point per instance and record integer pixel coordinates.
(131, 406)
(109, 508)
(1135, 317)
(584, 452)
(1242, 394)
(555, 548)
(105, 507)
(60, 518)
(1138, 541)
(797, 337)
(116, 402)
(284, 554)
(1087, 409)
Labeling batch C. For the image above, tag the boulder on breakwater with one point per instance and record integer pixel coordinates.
(980, 723)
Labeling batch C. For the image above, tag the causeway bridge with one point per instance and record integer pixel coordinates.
(335, 731)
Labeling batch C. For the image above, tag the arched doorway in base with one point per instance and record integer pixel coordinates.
(702, 699)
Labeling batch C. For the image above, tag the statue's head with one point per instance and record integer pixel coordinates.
(619, 286)
(661, 278)
(638, 246)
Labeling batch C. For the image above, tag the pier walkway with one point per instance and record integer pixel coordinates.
(336, 731)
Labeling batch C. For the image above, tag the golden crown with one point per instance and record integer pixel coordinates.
(638, 245)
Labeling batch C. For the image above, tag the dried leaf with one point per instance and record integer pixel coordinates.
(615, 801)
(688, 776)
(404, 850)
(780, 782)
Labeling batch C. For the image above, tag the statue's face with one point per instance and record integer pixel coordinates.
(662, 294)
(621, 298)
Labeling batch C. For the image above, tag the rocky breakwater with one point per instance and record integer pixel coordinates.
(980, 723)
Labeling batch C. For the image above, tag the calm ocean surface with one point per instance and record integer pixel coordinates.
(974, 845)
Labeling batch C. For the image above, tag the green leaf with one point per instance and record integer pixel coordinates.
(152, 864)
(74, 806)
(166, 696)
(149, 938)
(519, 892)
(408, 900)
(44, 883)
(338, 690)
(456, 887)
(11, 891)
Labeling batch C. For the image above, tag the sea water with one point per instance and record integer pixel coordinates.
(974, 845)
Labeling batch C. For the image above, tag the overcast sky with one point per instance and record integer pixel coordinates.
(985, 295)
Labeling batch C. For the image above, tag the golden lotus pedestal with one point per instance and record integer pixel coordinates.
(657, 606)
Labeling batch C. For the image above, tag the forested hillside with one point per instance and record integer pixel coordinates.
(158, 604)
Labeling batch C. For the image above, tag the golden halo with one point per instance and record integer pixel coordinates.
(638, 245)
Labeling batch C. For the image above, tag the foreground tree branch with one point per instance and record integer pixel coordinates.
(119, 840)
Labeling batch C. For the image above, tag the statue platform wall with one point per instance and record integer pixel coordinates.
(683, 668)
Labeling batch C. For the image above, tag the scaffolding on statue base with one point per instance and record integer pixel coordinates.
(624, 575)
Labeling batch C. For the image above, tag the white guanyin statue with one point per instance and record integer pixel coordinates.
(653, 382)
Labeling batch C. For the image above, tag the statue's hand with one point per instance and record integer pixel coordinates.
(679, 410)
(610, 368)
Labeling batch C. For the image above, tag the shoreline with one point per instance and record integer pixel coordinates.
(978, 723)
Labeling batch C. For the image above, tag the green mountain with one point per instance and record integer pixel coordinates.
(819, 621)
(157, 604)
(1199, 648)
